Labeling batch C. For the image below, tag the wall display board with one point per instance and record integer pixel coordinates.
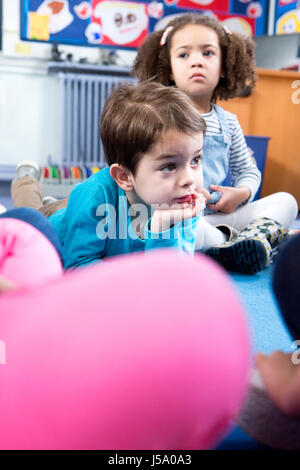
(287, 17)
(125, 24)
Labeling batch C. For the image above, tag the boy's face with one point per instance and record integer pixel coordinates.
(170, 171)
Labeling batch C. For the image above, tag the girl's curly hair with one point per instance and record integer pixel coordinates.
(238, 58)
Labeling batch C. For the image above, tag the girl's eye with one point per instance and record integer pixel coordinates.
(209, 53)
(169, 168)
(196, 161)
(183, 55)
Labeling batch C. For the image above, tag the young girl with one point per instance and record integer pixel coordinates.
(201, 57)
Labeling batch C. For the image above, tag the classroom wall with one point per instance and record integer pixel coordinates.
(29, 97)
(275, 52)
(29, 112)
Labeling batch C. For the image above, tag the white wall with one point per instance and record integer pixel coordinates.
(29, 113)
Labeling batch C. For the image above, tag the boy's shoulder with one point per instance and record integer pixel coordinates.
(99, 185)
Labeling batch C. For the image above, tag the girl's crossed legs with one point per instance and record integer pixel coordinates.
(281, 207)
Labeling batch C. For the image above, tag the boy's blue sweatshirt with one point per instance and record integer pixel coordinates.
(96, 224)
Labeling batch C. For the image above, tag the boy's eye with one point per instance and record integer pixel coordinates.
(197, 160)
(169, 167)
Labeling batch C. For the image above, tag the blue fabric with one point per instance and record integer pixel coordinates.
(37, 220)
(237, 439)
(97, 224)
(215, 169)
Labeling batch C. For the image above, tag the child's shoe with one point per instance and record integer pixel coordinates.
(253, 249)
(49, 200)
(270, 229)
(27, 168)
(243, 255)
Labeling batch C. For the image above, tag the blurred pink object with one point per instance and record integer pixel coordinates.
(140, 352)
(26, 256)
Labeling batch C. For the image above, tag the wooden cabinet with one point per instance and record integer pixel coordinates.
(271, 112)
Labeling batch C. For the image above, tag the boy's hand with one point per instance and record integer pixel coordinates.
(164, 218)
(231, 198)
(6, 285)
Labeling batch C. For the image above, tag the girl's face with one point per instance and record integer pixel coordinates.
(196, 59)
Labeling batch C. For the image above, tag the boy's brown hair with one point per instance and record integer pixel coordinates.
(136, 116)
(238, 59)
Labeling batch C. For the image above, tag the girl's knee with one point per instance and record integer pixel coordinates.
(281, 206)
(290, 201)
(291, 206)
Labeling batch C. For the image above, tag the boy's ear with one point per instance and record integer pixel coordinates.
(122, 176)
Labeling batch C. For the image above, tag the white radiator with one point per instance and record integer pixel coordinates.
(83, 97)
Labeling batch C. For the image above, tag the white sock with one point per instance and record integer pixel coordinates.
(208, 236)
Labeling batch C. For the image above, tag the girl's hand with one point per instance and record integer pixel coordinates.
(280, 373)
(231, 198)
(206, 194)
(164, 218)
(6, 285)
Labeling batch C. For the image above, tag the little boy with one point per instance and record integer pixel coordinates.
(150, 195)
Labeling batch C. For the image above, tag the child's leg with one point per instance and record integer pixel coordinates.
(49, 209)
(37, 220)
(262, 226)
(281, 207)
(208, 236)
(27, 258)
(27, 192)
(92, 366)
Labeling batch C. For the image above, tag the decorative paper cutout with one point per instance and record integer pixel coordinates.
(83, 10)
(38, 27)
(59, 14)
(289, 23)
(122, 22)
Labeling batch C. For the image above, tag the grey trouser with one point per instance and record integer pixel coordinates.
(28, 192)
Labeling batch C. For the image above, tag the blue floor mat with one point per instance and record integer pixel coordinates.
(267, 330)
